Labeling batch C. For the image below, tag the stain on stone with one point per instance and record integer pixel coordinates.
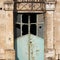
(9, 38)
(9, 15)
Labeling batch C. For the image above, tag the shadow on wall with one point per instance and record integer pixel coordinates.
(16, 57)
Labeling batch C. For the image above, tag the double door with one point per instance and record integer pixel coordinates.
(28, 45)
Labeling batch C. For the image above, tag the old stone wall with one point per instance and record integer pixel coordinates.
(52, 31)
(52, 20)
(6, 33)
(57, 28)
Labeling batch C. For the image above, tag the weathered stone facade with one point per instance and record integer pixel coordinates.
(52, 29)
(6, 33)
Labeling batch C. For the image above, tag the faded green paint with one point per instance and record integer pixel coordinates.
(29, 47)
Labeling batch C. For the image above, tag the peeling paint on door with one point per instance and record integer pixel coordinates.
(29, 47)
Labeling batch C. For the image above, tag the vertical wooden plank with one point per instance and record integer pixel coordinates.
(36, 48)
(22, 47)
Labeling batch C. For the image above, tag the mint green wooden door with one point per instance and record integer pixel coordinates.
(29, 47)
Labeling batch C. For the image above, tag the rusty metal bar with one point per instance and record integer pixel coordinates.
(29, 36)
(21, 24)
(37, 26)
(29, 24)
(33, 23)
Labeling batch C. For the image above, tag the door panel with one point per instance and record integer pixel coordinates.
(21, 47)
(37, 48)
(30, 47)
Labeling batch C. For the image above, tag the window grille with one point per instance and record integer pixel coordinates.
(29, 24)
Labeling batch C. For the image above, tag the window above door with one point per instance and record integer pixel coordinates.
(29, 24)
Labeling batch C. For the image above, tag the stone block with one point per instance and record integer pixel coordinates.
(10, 54)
